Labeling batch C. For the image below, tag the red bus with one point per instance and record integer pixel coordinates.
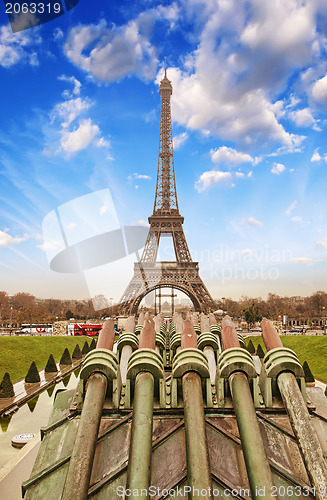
(83, 329)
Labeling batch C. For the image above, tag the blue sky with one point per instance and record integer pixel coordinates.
(80, 113)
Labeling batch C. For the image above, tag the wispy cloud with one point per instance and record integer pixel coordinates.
(291, 207)
(143, 223)
(6, 239)
(306, 261)
(76, 85)
(316, 157)
(18, 47)
(180, 139)
(251, 221)
(73, 130)
(142, 176)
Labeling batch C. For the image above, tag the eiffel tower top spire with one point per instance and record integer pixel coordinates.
(165, 203)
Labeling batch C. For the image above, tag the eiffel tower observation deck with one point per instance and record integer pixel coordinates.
(181, 274)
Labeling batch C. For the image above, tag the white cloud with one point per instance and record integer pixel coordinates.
(50, 245)
(142, 176)
(251, 221)
(71, 79)
(76, 133)
(321, 243)
(299, 220)
(228, 84)
(302, 117)
(248, 118)
(306, 261)
(170, 13)
(113, 53)
(278, 168)
(292, 206)
(79, 139)
(102, 143)
(6, 239)
(179, 140)
(230, 156)
(208, 179)
(319, 90)
(316, 156)
(58, 34)
(18, 47)
(144, 223)
(70, 110)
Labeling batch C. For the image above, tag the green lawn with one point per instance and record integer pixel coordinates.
(17, 353)
(312, 349)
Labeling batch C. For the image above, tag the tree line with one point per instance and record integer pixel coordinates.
(275, 306)
(26, 308)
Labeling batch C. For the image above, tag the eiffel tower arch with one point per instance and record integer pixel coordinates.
(181, 274)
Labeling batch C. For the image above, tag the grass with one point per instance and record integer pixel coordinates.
(309, 348)
(17, 353)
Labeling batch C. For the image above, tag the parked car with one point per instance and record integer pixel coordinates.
(294, 330)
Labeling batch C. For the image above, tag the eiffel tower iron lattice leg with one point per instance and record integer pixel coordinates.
(150, 274)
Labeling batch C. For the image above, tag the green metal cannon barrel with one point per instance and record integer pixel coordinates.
(257, 465)
(198, 468)
(81, 461)
(296, 408)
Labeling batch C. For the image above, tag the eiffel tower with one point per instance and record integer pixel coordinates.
(150, 274)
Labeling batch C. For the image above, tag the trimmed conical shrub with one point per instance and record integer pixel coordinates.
(308, 377)
(250, 347)
(32, 376)
(65, 358)
(31, 403)
(92, 345)
(260, 352)
(4, 423)
(77, 353)
(6, 387)
(86, 348)
(66, 379)
(50, 390)
(51, 366)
